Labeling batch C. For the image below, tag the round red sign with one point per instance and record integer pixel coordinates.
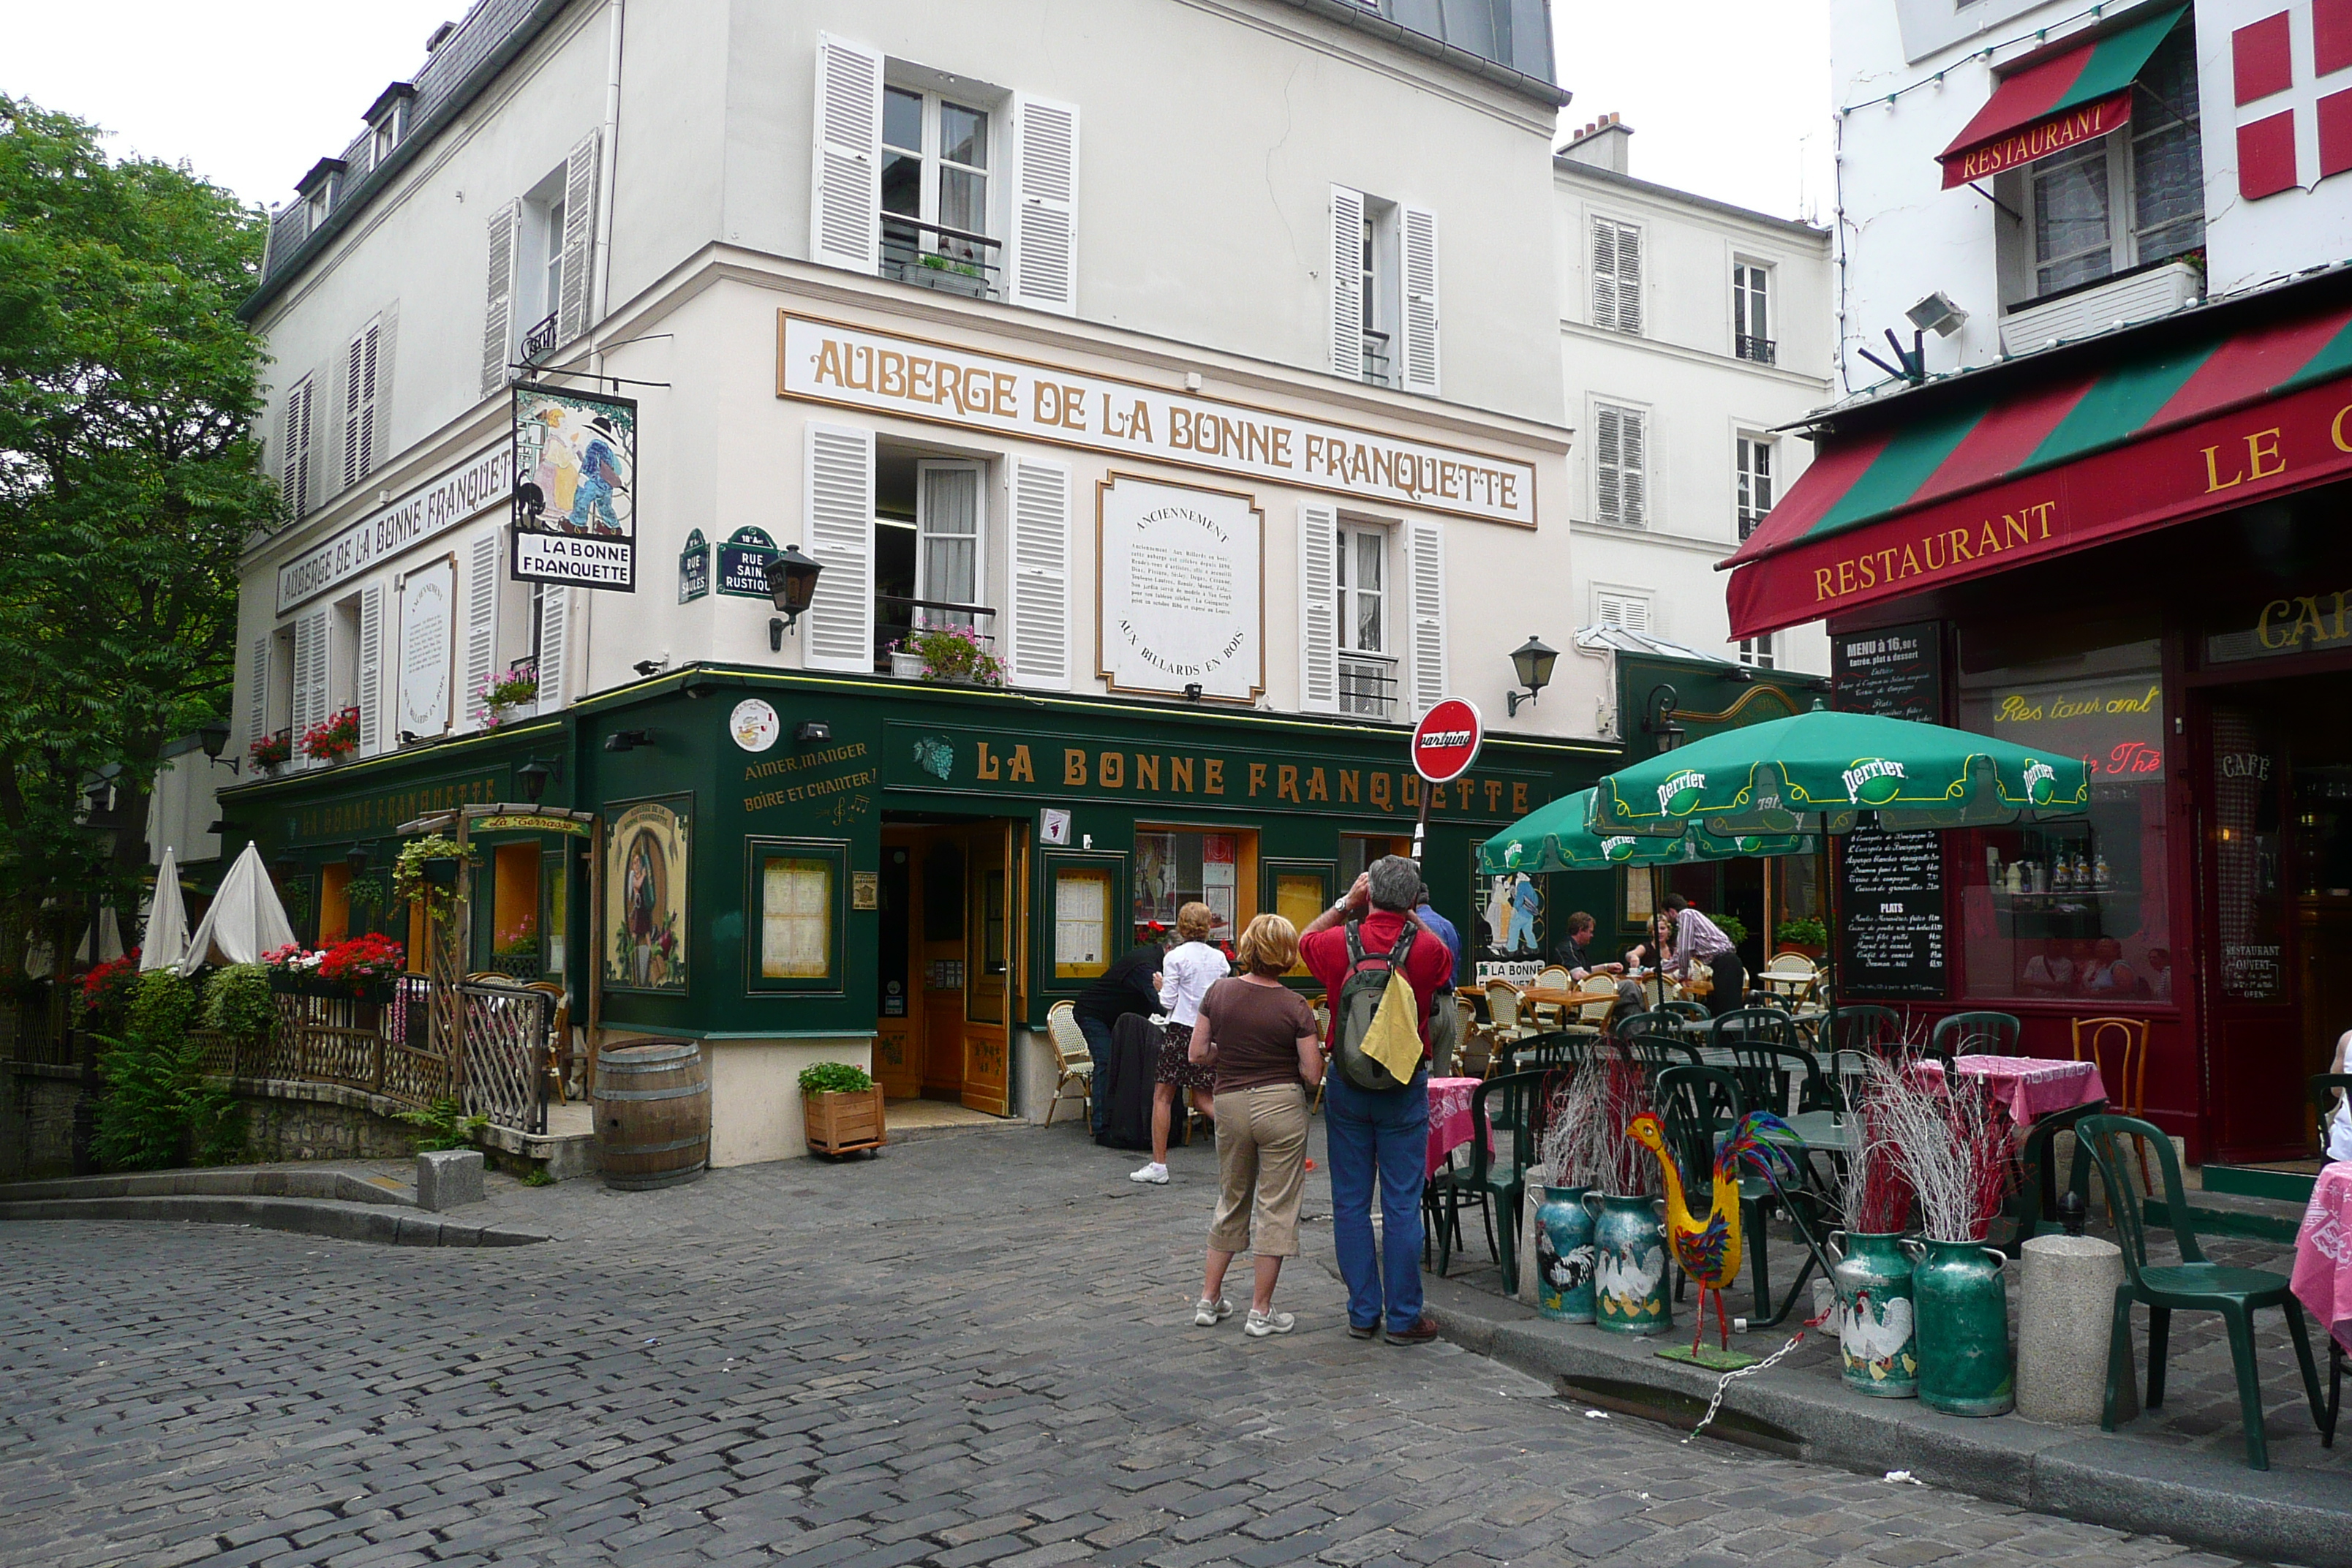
(1446, 742)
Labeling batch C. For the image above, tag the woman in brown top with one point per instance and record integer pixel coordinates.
(1259, 1037)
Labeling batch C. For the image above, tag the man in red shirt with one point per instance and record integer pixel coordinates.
(1387, 1134)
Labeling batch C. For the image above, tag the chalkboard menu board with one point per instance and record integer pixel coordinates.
(1891, 885)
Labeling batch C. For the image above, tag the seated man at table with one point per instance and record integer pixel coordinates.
(1375, 1137)
(1575, 954)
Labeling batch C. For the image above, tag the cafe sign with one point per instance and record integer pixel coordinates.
(823, 362)
(433, 506)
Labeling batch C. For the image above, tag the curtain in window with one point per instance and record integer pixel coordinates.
(2070, 218)
(950, 513)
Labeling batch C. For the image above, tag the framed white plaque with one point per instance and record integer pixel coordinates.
(428, 643)
(1181, 592)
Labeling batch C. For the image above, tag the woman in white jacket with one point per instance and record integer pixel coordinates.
(1191, 967)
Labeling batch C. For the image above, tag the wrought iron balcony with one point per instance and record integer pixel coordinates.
(540, 341)
(1759, 350)
(897, 616)
(933, 256)
(1376, 357)
(1368, 684)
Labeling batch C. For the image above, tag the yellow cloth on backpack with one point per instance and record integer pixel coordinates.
(1394, 1040)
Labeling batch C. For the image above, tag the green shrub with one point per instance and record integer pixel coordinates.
(835, 1078)
(444, 1124)
(1802, 933)
(1732, 926)
(159, 1108)
(238, 1003)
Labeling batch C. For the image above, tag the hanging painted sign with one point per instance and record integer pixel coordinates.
(1181, 590)
(575, 478)
(433, 506)
(823, 362)
(694, 568)
(743, 563)
(428, 609)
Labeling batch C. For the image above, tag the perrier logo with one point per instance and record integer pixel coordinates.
(1874, 780)
(2041, 781)
(1679, 795)
(1618, 848)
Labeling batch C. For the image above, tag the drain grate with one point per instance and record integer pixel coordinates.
(1680, 1411)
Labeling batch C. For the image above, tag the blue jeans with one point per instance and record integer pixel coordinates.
(1388, 1133)
(1097, 1034)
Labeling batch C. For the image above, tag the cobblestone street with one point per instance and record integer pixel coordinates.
(976, 1349)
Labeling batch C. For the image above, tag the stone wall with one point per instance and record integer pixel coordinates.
(320, 1122)
(36, 1105)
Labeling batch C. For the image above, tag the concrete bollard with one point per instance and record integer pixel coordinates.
(449, 1177)
(2064, 1318)
(1527, 1282)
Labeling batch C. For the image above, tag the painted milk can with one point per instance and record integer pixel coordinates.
(1629, 1264)
(1564, 1255)
(1878, 1342)
(1963, 1297)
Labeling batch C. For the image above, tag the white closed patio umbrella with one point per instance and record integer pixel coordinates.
(244, 922)
(166, 939)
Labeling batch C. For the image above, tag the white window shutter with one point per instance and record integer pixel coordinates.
(838, 487)
(1604, 273)
(1043, 269)
(579, 235)
(294, 462)
(370, 696)
(1426, 543)
(1634, 479)
(387, 331)
(1318, 608)
(1418, 230)
(498, 318)
(554, 630)
(359, 404)
(309, 677)
(257, 698)
(1608, 460)
(1346, 283)
(481, 624)
(845, 187)
(1627, 612)
(1629, 279)
(1041, 576)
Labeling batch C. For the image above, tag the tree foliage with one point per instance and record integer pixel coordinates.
(129, 486)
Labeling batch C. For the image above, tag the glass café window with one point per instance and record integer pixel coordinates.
(1174, 867)
(2073, 909)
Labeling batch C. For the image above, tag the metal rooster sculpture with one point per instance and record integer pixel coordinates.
(1708, 1246)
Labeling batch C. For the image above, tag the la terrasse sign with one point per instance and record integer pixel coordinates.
(481, 481)
(826, 363)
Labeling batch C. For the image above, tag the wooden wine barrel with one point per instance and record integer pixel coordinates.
(653, 1113)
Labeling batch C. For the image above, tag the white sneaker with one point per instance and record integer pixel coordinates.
(1260, 1324)
(1155, 1173)
(1208, 1314)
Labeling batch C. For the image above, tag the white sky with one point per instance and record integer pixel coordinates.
(1727, 98)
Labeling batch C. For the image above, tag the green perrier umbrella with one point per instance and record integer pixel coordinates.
(1555, 837)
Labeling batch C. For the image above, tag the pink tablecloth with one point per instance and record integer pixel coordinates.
(1449, 1118)
(2323, 1252)
(2032, 1087)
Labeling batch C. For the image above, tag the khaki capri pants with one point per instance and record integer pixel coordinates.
(1261, 1170)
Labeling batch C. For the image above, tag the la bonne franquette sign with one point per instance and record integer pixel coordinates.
(439, 504)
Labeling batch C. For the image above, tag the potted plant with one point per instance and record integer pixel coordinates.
(270, 754)
(364, 967)
(905, 664)
(333, 740)
(956, 655)
(1809, 937)
(427, 870)
(512, 695)
(842, 1105)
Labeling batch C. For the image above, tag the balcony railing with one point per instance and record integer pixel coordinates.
(897, 617)
(1376, 357)
(540, 341)
(1759, 350)
(1368, 684)
(933, 256)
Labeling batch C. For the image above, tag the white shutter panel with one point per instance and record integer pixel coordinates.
(481, 624)
(1425, 541)
(294, 469)
(839, 490)
(1041, 575)
(387, 331)
(1634, 476)
(1604, 273)
(370, 696)
(257, 699)
(498, 318)
(1318, 608)
(359, 404)
(554, 629)
(845, 188)
(1635, 615)
(309, 677)
(579, 234)
(1044, 271)
(1608, 453)
(1346, 283)
(1629, 279)
(1418, 230)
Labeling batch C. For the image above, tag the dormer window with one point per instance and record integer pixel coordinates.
(318, 189)
(387, 120)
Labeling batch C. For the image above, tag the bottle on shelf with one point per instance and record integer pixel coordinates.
(2102, 876)
(2013, 877)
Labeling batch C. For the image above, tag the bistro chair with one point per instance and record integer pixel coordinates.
(2191, 1285)
(1789, 979)
(1750, 1037)
(1071, 1059)
(1503, 1019)
(1555, 1048)
(1974, 1035)
(1653, 1042)
(1552, 977)
(1519, 1104)
(2118, 1048)
(1861, 1026)
(1699, 1106)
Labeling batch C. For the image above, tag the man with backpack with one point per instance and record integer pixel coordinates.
(1381, 968)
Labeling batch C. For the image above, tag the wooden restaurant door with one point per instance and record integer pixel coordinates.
(950, 961)
(993, 932)
(2254, 1068)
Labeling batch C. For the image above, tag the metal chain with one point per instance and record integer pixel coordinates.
(1723, 1383)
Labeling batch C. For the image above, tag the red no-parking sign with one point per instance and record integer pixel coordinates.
(1446, 742)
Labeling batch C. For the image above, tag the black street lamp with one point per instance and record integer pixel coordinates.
(791, 583)
(1532, 661)
(1658, 717)
(215, 736)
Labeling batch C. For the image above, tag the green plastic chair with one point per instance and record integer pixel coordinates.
(1522, 1104)
(2192, 1285)
(1974, 1035)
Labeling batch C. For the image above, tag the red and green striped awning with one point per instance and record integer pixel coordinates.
(1977, 486)
(2071, 96)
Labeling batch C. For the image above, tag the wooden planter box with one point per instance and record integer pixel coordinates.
(374, 992)
(843, 1123)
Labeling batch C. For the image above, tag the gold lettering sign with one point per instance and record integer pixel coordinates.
(1927, 555)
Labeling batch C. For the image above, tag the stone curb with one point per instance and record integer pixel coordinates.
(2201, 1498)
(219, 1181)
(308, 1216)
